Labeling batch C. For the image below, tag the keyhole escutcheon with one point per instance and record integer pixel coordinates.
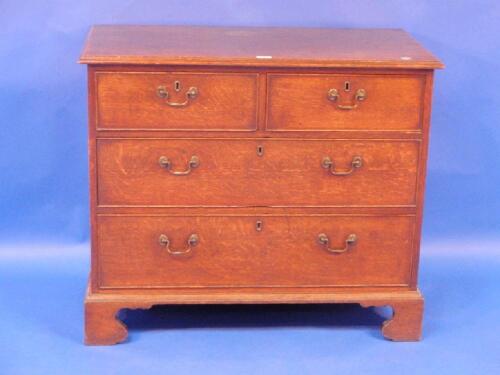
(259, 225)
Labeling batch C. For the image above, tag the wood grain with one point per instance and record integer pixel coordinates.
(233, 46)
(299, 102)
(225, 101)
(406, 322)
(231, 252)
(422, 172)
(232, 174)
(103, 328)
(258, 87)
(102, 325)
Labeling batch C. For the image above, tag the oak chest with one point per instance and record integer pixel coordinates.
(255, 165)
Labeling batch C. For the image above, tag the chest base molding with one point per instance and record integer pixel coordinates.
(103, 327)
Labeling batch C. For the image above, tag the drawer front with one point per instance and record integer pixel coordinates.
(256, 172)
(344, 102)
(176, 101)
(229, 251)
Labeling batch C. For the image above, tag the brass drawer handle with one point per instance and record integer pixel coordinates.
(327, 163)
(191, 242)
(349, 241)
(333, 95)
(165, 163)
(191, 94)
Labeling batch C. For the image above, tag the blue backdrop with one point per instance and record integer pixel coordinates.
(44, 199)
(43, 162)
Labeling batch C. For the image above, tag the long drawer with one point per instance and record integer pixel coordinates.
(248, 173)
(247, 251)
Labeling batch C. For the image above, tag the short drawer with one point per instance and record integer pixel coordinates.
(230, 251)
(322, 102)
(210, 172)
(176, 101)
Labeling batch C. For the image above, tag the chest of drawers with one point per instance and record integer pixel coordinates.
(255, 165)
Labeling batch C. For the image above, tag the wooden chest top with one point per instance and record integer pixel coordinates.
(251, 46)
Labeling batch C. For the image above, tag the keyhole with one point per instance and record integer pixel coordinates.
(258, 225)
(260, 150)
(347, 86)
(177, 86)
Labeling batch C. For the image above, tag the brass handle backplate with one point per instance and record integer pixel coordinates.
(191, 242)
(163, 93)
(333, 95)
(165, 163)
(356, 163)
(325, 241)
